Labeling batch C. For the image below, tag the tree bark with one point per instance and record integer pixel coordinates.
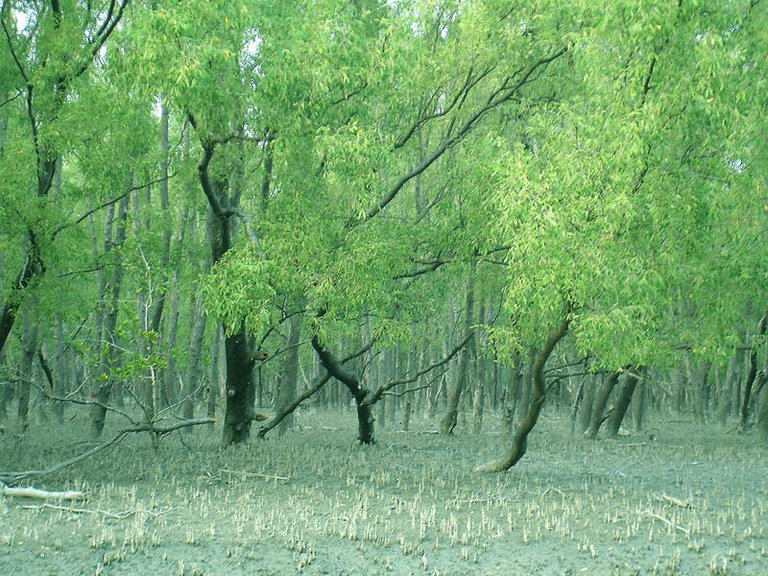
(539, 394)
(290, 373)
(598, 408)
(365, 418)
(748, 384)
(193, 376)
(449, 420)
(762, 418)
(633, 376)
(240, 395)
(108, 336)
(26, 365)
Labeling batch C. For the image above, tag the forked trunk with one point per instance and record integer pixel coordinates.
(365, 419)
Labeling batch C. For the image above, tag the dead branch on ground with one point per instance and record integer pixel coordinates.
(152, 427)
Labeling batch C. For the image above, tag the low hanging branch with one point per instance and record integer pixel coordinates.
(158, 431)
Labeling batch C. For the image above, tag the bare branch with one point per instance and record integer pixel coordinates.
(374, 397)
(15, 477)
(504, 93)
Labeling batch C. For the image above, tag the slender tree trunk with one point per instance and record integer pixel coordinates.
(512, 395)
(697, 381)
(633, 375)
(108, 337)
(478, 402)
(751, 374)
(26, 368)
(448, 423)
(598, 408)
(539, 395)
(290, 373)
(194, 376)
(215, 379)
(61, 383)
(638, 403)
(762, 417)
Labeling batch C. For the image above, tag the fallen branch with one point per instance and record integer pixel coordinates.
(670, 524)
(99, 511)
(254, 475)
(42, 494)
(159, 431)
(674, 501)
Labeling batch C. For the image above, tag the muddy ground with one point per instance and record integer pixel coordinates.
(678, 500)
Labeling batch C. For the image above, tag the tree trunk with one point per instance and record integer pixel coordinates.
(512, 395)
(365, 418)
(240, 395)
(478, 402)
(193, 377)
(638, 403)
(26, 368)
(633, 375)
(598, 408)
(290, 373)
(108, 336)
(214, 378)
(762, 418)
(539, 394)
(744, 421)
(448, 422)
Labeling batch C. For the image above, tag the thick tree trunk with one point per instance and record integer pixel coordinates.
(538, 396)
(598, 408)
(240, 395)
(633, 376)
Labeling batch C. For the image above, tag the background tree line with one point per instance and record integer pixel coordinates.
(413, 208)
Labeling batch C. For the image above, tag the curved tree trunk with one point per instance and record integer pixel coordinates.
(598, 408)
(539, 394)
(622, 403)
(240, 390)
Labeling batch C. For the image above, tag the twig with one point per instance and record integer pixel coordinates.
(254, 475)
(669, 523)
(674, 501)
(115, 515)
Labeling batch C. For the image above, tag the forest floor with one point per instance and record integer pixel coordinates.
(677, 501)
